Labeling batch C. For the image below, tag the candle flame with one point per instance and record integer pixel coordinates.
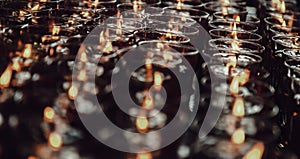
(234, 85)
(55, 141)
(73, 92)
(148, 64)
(158, 80)
(244, 77)
(225, 11)
(235, 45)
(179, 5)
(35, 8)
(95, 3)
(238, 137)
(55, 30)
(83, 57)
(102, 38)
(148, 102)
(6, 77)
(256, 151)
(160, 46)
(82, 76)
(282, 7)
(16, 66)
(226, 2)
(232, 62)
(144, 155)
(27, 51)
(238, 108)
(108, 47)
(142, 124)
(49, 114)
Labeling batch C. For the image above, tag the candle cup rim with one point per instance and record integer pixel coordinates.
(258, 46)
(279, 37)
(159, 27)
(238, 32)
(188, 22)
(186, 38)
(205, 14)
(211, 24)
(194, 52)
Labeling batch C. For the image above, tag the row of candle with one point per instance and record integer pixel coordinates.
(235, 43)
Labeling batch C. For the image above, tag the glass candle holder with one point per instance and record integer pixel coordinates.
(212, 7)
(243, 17)
(243, 46)
(280, 42)
(196, 14)
(240, 26)
(280, 21)
(141, 36)
(242, 35)
(279, 30)
(171, 19)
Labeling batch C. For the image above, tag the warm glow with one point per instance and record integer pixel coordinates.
(158, 80)
(102, 38)
(238, 108)
(16, 66)
(235, 45)
(238, 137)
(32, 157)
(83, 57)
(27, 51)
(142, 124)
(232, 62)
(283, 23)
(226, 2)
(244, 77)
(160, 46)
(148, 102)
(55, 140)
(72, 93)
(82, 76)
(169, 35)
(55, 30)
(237, 18)
(108, 47)
(148, 64)
(143, 155)
(234, 85)
(224, 11)
(95, 3)
(36, 7)
(282, 7)
(256, 152)
(6, 77)
(49, 114)
(179, 5)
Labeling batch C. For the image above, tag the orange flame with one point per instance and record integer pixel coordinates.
(238, 137)
(82, 76)
(142, 124)
(158, 80)
(238, 108)
(73, 92)
(108, 47)
(83, 57)
(256, 151)
(235, 45)
(55, 141)
(49, 114)
(144, 155)
(234, 85)
(148, 64)
(148, 102)
(95, 3)
(35, 8)
(179, 5)
(225, 11)
(282, 7)
(16, 66)
(27, 52)
(55, 30)
(244, 76)
(6, 77)
(232, 62)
